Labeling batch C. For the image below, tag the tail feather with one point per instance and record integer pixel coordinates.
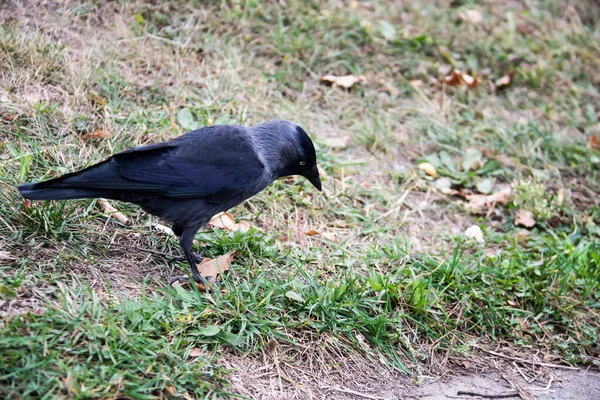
(32, 192)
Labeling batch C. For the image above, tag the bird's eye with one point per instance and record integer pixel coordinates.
(302, 163)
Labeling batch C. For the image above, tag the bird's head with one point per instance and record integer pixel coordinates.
(288, 150)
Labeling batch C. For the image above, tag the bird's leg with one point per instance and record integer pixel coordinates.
(185, 241)
(178, 230)
(197, 258)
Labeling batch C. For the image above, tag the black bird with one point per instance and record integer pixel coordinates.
(188, 180)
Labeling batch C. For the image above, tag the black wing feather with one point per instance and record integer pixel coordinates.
(216, 162)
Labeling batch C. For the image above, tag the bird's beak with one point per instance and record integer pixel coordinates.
(313, 177)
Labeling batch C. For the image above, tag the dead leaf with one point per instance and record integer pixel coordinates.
(171, 390)
(97, 134)
(227, 222)
(416, 83)
(524, 218)
(457, 78)
(215, 267)
(428, 168)
(482, 204)
(243, 226)
(593, 142)
(311, 232)
(469, 81)
(340, 223)
(503, 82)
(345, 81)
(512, 303)
(107, 208)
(453, 79)
(223, 221)
(330, 236)
(473, 16)
(195, 352)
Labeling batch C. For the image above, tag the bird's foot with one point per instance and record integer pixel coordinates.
(197, 258)
(203, 282)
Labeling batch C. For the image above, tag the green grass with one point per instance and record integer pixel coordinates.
(389, 282)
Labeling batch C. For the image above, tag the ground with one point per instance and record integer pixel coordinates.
(455, 246)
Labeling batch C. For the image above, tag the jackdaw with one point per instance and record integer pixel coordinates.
(188, 180)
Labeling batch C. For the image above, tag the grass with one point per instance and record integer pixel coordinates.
(389, 282)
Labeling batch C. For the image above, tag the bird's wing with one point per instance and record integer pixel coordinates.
(217, 162)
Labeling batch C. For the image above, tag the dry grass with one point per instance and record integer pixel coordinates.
(68, 69)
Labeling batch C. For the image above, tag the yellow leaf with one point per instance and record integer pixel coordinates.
(428, 168)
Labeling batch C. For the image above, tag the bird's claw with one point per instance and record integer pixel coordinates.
(197, 259)
(206, 281)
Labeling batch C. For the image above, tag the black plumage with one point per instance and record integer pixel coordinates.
(187, 180)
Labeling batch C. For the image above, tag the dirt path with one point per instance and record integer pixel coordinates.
(563, 385)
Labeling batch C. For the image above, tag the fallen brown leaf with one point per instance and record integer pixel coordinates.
(503, 82)
(223, 221)
(195, 352)
(227, 222)
(243, 226)
(345, 81)
(215, 267)
(311, 232)
(330, 236)
(524, 218)
(457, 78)
(482, 204)
(107, 208)
(97, 134)
(593, 142)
